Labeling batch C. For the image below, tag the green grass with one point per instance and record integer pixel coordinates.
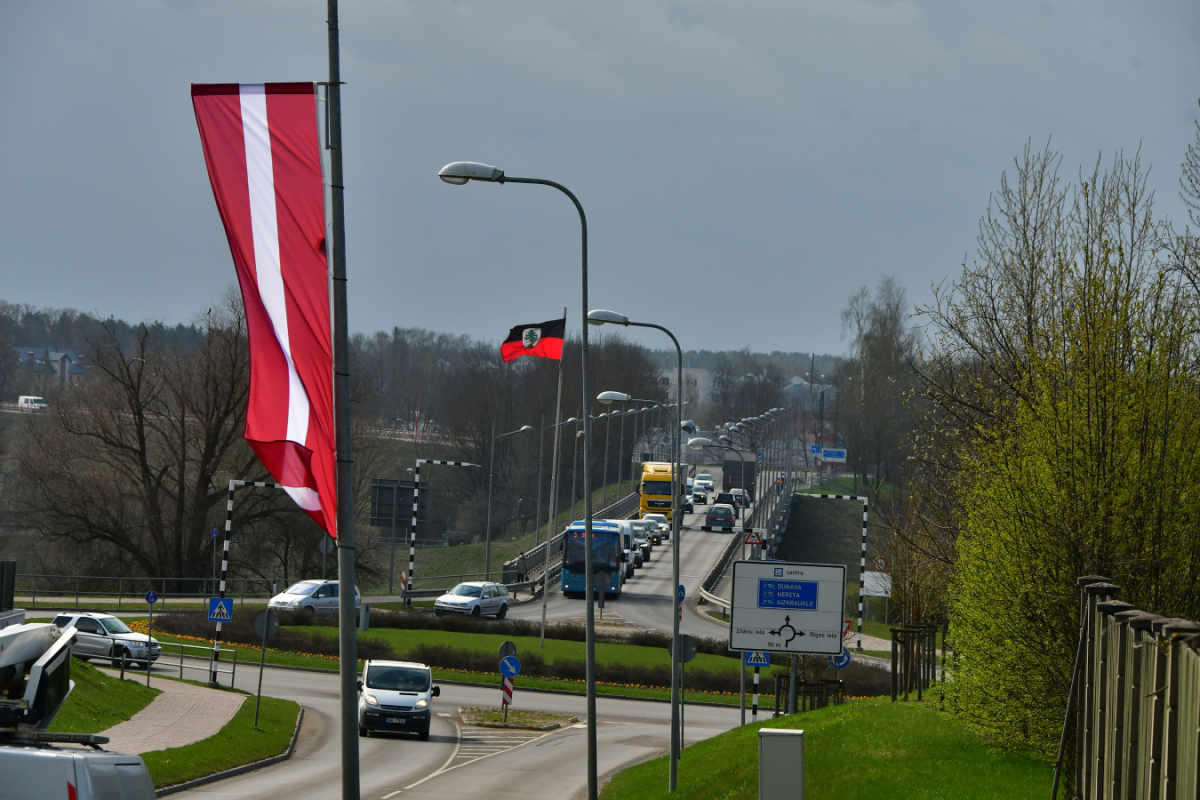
(99, 702)
(248, 657)
(863, 750)
(239, 742)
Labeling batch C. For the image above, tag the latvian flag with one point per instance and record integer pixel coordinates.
(264, 161)
(542, 339)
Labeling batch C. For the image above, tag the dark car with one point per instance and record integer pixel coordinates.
(700, 497)
(728, 499)
(720, 516)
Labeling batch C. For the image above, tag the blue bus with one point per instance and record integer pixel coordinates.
(607, 556)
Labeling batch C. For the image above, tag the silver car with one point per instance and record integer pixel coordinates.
(475, 599)
(105, 636)
(315, 597)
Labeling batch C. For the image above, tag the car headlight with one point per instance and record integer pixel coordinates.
(370, 698)
(422, 703)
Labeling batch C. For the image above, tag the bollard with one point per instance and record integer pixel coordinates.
(780, 764)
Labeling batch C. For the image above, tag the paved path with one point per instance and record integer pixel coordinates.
(182, 714)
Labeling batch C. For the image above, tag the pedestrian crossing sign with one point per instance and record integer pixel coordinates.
(757, 658)
(220, 609)
(754, 536)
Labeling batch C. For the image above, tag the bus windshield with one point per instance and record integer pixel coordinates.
(604, 551)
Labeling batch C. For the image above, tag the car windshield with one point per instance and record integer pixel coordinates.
(655, 518)
(303, 587)
(704, 476)
(114, 625)
(398, 679)
(466, 590)
(721, 512)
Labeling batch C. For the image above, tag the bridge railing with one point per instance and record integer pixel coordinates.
(1136, 700)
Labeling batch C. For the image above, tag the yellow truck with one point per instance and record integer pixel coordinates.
(656, 489)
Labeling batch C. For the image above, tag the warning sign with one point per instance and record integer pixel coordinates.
(754, 537)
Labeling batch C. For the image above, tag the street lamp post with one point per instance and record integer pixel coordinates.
(487, 534)
(601, 317)
(621, 452)
(607, 417)
(459, 172)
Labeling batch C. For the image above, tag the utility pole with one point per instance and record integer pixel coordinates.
(347, 646)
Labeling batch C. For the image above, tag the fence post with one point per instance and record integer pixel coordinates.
(1091, 710)
(77, 591)
(1114, 693)
(895, 665)
(120, 585)
(33, 598)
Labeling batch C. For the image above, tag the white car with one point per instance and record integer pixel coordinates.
(704, 481)
(315, 597)
(475, 599)
(664, 527)
(396, 696)
(105, 636)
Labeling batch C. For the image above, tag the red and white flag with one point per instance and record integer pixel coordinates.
(264, 161)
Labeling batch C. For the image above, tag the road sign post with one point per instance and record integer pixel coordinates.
(510, 668)
(266, 625)
(151, 598)
(787, 607)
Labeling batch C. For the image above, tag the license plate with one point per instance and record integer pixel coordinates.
(396, 720)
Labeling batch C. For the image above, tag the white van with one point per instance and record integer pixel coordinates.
(30, 403)
(39, 772)
(396, 696)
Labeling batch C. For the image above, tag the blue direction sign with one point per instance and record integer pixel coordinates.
(220, 609)
(756, 658)
(214, 533)
(151, 597)
(510, 667)
(682, 593)
(816, 449)
(840, 661)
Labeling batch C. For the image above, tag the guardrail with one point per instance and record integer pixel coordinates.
(125, 589)
(206, 658)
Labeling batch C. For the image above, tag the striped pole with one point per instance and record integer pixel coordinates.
(216, 651)
(862, 561)
(412, 543)
(754, 705)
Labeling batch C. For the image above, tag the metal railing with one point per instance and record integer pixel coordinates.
(75, 588)
(1136, 699)
(206, 659)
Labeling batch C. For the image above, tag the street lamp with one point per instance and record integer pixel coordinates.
(487, 534)
(607, 417)
(458, 173)
(602, 317)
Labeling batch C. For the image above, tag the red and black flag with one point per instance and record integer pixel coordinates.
(542, 339)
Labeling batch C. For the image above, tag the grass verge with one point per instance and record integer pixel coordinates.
(99, 702)
(248, 658)
(239, 742)
(859, 751)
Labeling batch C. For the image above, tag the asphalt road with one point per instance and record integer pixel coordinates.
(547, 766)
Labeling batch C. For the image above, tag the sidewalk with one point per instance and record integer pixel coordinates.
(182, 714)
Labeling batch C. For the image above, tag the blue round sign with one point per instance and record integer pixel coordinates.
(510, 667)
(682, 594)
(151, 597)
(840, 661)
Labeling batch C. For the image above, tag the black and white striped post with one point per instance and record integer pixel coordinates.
(862, 561)
(412, 539)
(754, 705)
(233, 485)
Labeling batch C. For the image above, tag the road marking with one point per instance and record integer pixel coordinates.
(487, 752)
(457, 746)
(393, 794)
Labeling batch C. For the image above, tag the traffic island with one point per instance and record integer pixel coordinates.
(520, 720)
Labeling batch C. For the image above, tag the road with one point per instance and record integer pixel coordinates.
(646, 601)
(452, 765)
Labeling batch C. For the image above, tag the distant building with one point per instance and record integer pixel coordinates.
(804, 396)
(697, 384)
(46, 369)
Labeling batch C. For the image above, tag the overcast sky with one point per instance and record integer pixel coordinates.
(744, 165)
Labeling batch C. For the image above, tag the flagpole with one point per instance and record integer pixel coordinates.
(348, 661)
(552, 525)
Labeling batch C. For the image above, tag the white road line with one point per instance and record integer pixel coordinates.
(489, 755)
(445, 764)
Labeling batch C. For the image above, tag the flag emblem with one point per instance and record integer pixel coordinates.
(541, 339)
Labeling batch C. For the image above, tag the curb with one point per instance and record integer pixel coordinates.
(599, 695)
(235, 771)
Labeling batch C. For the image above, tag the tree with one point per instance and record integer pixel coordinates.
(139, 458)
(1062, 416)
